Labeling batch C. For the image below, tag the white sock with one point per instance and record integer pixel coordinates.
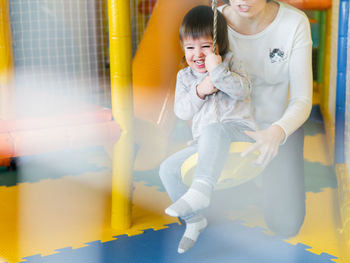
(194, 226)
(196, 198)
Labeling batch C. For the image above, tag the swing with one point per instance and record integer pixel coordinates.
(237, 169)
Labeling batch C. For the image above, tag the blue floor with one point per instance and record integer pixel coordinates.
(224, 241)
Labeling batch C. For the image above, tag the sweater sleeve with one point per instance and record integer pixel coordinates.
(230, 79)
(187, 103)
(300, 86)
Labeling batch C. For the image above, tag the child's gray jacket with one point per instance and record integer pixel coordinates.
(232, 99)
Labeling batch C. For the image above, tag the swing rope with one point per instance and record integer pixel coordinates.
(215, 21)
(215, 10)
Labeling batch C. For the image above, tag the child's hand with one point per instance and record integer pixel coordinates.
(205, 88)
(212, 61)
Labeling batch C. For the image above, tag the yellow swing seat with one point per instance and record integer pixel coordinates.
(237, 169)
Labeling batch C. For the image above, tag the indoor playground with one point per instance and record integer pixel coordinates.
(86, 118)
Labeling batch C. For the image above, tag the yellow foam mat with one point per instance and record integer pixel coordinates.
(315, 149)
(38, 218)
(320, 230)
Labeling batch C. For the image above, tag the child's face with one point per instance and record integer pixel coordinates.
(196, 50)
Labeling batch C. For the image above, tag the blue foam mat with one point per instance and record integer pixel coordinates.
(224, 241)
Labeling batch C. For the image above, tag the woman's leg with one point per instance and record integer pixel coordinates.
(283, 188)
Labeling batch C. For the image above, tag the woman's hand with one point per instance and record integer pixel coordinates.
(212, 61)
(267, 143)
(205, 88)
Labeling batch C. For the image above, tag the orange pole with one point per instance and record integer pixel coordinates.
(309, 4)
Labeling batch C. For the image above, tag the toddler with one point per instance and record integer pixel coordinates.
(213, 92)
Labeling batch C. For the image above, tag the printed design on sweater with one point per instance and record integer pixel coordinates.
(276, 55)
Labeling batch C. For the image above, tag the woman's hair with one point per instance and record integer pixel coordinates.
(198, 22)
(228, 1)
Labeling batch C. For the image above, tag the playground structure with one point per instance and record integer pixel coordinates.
(152, 94)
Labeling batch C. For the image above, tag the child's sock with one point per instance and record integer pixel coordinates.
(194, 226)
(196, 198)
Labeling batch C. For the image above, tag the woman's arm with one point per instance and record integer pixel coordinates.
(300, 100)
(300, 82)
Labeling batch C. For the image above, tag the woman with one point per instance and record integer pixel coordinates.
(273, 41)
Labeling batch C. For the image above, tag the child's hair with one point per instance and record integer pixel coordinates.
(198, 22)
